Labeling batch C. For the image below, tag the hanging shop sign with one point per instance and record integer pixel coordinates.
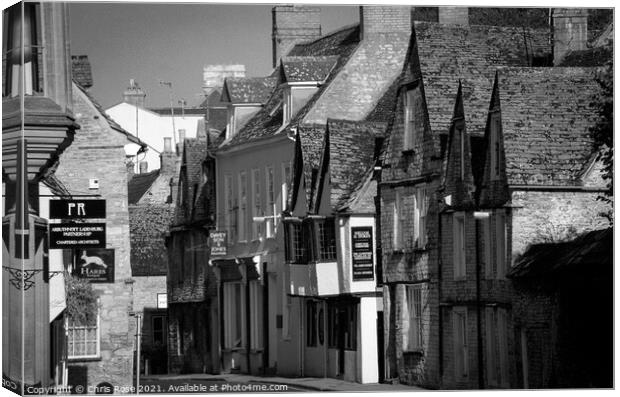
(218, 243)
(77, 209)
(361, 241)
(95, 265)
(77, 235)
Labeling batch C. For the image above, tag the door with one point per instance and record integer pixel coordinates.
(380, 347)
(341, 337)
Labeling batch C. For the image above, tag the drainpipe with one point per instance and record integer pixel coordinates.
(477, 217)
(439, 280)
(248, 326)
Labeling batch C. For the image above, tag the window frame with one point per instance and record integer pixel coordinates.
(327, 251)
(409, 102)
(459, 245)
(398, 239)
(460, 339)
(242, 218)
(72, 328)
(413, 338)
(257, 204)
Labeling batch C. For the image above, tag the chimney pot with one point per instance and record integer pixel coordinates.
(144, 166)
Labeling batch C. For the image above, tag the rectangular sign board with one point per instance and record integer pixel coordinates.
(77, 209)
(218, 243)
(362, 255)
(162, 301)
(95, 265)
(77, 235)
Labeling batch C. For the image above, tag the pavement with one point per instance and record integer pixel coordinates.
(312, 384)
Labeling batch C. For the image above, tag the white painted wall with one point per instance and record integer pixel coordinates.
(152, 128)
(367, 354)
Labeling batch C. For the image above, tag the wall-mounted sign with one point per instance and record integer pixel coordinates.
(77, 235)
(218, 243)
(362, 252)
(162, 301)
(96, 265)
(77, 209)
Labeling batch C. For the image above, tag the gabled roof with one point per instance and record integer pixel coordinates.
(113, 124)
(347, 156)
(213, 100)
(306, 160)
(140, 184)
(589, 252)
(248, 89)
(268, 120)
(443, 54)
(546, 114)
(148, 225)
(306, 68)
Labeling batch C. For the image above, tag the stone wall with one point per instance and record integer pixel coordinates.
(97, 152)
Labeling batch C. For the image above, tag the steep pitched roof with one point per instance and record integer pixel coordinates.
(268, 120)
(113, 124)
(347, 156)
(148, 225)
(307, 68)
(248, 89)
(306, 161)
(443, 54)
(140, 184)
(546, 114)
(588, 252)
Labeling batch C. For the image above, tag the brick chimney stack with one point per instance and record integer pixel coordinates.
(293, 24)
(144, 167)
(168, 158)
(377, 20)
(570, 31)
(134, 94)
(454, 15)
(81, 71)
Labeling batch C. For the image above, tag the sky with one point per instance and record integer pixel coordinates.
(172, 42)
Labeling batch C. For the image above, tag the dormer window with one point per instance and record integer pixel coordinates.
(409, 120)
(287, 105)
(494, 149)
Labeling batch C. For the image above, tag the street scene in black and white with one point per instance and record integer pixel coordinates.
(285, 198)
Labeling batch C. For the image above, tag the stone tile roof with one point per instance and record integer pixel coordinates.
(546, 114)
(588, 252)
(148, 225)
(308, 147)
(140, 184)
(348, 154)
(248, 89)
(113, 124)
(308, 68)
(596, 56)
(268, 120)
(447, 53)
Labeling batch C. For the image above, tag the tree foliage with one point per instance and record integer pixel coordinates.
(602, 131)
(81, 301)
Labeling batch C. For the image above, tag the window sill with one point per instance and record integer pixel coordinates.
(83, 359)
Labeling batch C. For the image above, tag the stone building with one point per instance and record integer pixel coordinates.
(191, 286)
(107, 352)
(151, 198)
(350, 75)
(446, 248)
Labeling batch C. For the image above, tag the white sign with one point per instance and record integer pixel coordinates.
(162, 301)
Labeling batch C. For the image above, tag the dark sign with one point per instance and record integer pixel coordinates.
(218, 243)
(77, 209)
(95, 265)
(77, 235)
(361, 242)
